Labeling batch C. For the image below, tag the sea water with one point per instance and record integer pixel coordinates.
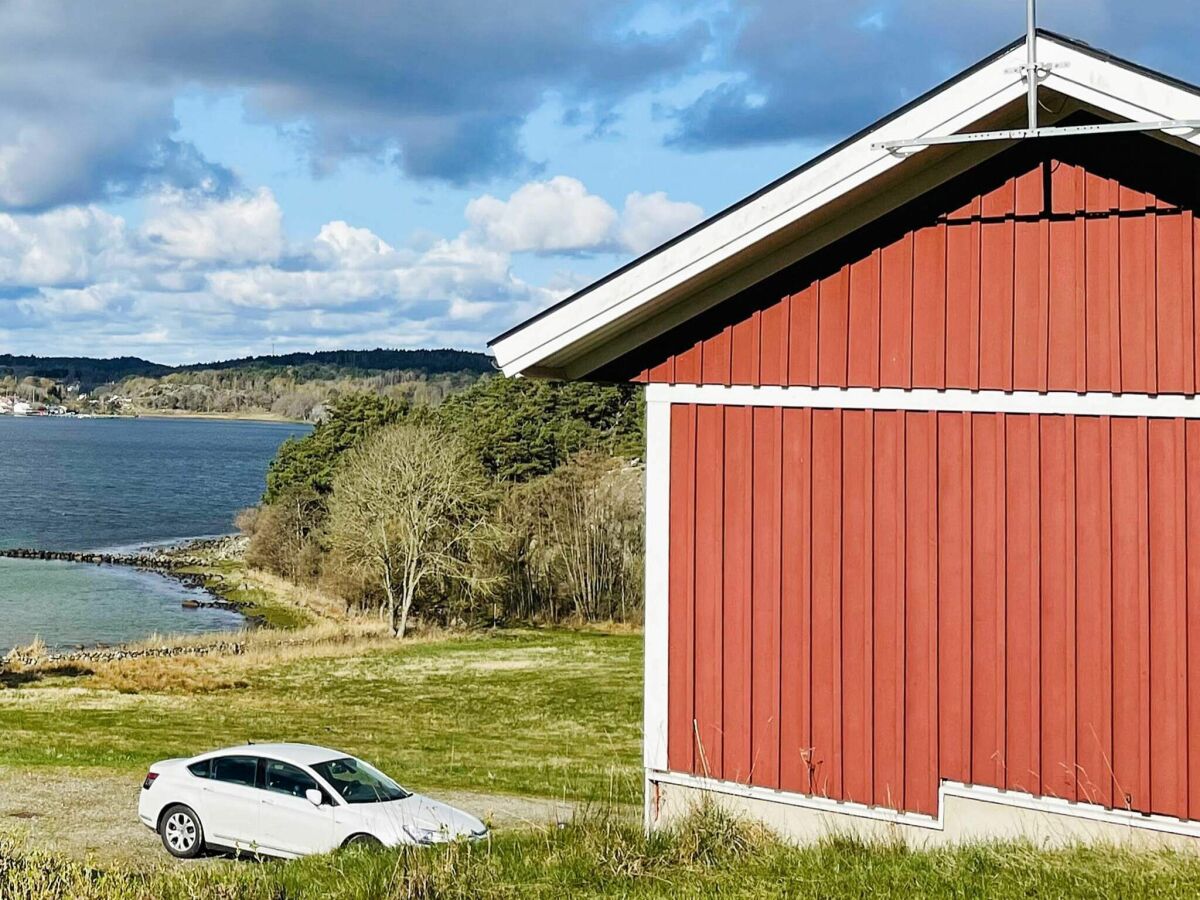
(97, 484)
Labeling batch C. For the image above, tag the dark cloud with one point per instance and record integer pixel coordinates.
(65, 141)
(439, 88)
(822, 69)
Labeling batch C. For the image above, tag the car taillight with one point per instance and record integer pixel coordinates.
(150, 776)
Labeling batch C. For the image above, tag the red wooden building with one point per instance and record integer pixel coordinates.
(923, 470)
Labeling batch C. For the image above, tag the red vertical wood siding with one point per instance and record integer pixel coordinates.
(1192, 464)
(866, 603)
(709, 578)
(1131, 614)
(1055, 277)
(1058, 607)
(1023, 628)
(1094, 634)
(737, 564)
(1168, 619)
(857, 625)
(796, 765)
(766, 603)
(988, 561)
(825, 684)
(681, 588)
(954, 595)
(889, 608)
(920, 686)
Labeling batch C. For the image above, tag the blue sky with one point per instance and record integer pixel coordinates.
(199, 180)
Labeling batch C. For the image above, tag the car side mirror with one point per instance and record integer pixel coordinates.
(313, 796)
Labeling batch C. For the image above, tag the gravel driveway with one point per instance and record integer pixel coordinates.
(94, 816)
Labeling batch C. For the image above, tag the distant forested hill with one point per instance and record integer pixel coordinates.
(89, 372)
(83, 370)
(432, 362)
(292, 386)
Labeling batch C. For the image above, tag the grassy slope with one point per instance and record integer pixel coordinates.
(537, 713)
(235, 581)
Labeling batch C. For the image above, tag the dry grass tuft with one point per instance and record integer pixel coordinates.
(190, 670)
(35, 650)
(321, 604)
(167, 675)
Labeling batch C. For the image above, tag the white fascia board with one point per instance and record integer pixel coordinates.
(954, 109)
(1066, 403)
(1120, 91)
(658, 551)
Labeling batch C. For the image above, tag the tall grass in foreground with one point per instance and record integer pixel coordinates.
(599, 854)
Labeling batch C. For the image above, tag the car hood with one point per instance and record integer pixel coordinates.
(425, 813)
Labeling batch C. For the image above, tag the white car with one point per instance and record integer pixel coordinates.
(289, 800)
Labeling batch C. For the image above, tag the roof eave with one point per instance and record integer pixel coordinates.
(561, 341)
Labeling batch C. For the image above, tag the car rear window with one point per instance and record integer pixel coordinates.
(202, 769)
(236, 769)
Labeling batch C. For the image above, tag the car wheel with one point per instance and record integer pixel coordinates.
(182, 833)
(363, 842)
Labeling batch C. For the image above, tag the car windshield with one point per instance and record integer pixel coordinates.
(357, 782)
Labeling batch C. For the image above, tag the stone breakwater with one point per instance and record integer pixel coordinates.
(156, 562)
(113, 654)
(23, 658)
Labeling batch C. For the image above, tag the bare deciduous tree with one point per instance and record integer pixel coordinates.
(574, 538)
(281, 534)
(406, 510)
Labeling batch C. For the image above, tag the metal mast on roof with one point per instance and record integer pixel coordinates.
(1033, 70)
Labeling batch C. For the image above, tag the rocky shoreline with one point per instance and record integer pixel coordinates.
(169, 562)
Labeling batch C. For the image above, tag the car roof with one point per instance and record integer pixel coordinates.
(300, 754)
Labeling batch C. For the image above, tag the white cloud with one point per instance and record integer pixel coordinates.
(650, 219)
(561, 216)
(339, 243)
(204, 278)
(70, 245)
(558, 215)
(240, 229)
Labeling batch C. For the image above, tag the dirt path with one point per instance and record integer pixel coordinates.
(94, 816)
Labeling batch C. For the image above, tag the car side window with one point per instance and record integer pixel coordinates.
(236, 770)
(202, 769)
(284, 778)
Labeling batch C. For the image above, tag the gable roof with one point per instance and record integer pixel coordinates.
(848, 186)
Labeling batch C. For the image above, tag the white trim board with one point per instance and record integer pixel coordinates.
(1169, 406)
(1018, 799)
(658, 532)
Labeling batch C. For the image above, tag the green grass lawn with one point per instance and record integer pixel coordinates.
(536, 713)
(711, 856)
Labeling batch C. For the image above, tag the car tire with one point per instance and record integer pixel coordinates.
(363, 842)
(181, 832)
